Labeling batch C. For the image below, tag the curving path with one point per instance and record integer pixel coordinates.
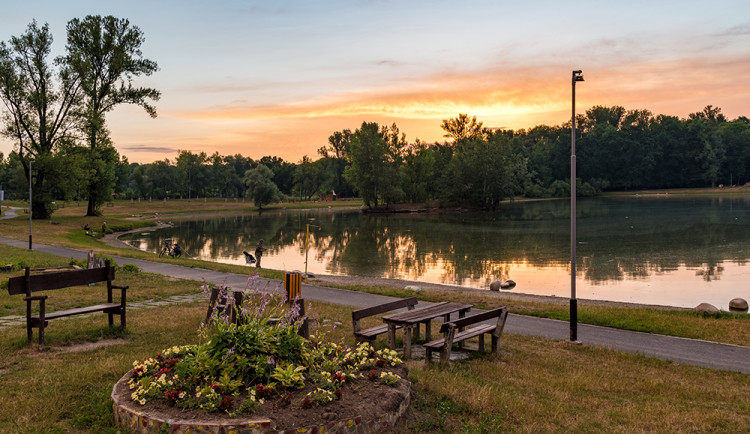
(679, 350)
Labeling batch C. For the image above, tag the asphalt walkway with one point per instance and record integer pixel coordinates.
(679, 350)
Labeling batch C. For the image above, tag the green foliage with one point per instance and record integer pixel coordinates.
(260, 187)
(375, 154)
(104, 56)
(289, 376)
(131, 268)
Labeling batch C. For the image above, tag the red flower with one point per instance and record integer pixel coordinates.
(338, 393)
(226, 403)
(307, 402)
(373, 375)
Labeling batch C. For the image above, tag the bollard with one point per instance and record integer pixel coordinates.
(293, 285)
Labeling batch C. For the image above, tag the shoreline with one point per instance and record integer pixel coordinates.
(339, 280)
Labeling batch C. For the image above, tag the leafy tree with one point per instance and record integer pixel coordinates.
(104, 55)
(40, 107)
(373, 171)
(283, 172)
(140, 182)
(338, 145)
(260, 187)
(311, 177)
(462, 128)
(191, 172)
(485, 172)
(418, 173)
(162, 176)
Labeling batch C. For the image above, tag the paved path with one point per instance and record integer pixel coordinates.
(679, 350)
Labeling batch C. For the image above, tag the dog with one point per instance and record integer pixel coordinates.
(250, 259)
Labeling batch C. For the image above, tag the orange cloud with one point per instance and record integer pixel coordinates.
(500, 97)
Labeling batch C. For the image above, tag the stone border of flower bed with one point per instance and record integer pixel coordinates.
(130, 416)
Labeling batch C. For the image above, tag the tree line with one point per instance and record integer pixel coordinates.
(617, 149)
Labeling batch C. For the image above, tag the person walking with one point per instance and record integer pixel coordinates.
(259, 249)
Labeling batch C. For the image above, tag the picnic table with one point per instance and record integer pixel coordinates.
(412, 318)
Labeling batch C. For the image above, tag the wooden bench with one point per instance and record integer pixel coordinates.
(371, 333)
(452, 334)
(28, 284)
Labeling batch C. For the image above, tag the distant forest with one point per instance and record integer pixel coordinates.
(617, 149)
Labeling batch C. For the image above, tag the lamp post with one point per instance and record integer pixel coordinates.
(30, 161)
(573, 300)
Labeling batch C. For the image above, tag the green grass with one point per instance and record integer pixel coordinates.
(533, 385)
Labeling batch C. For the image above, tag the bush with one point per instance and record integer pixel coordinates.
(560, 189)
(132, 268)
(77, 262)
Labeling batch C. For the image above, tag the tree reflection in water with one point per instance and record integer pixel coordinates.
(620, 239)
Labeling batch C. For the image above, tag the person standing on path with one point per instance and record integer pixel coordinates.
(259, 249)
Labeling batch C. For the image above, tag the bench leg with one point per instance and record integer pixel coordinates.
(416, 332)
(428, 330)
(461, 314)
(41, 334)
(445, 353)
(495, 344)
(123, 321)
(391, 336)
(407, 342)
(42, 323)
(427, 355)
(111, 319)
(29, 332)
(481, 343)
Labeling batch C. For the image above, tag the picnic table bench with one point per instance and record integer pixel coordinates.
(371, 333)
(411, 319)
(29, 284)
(453, 332)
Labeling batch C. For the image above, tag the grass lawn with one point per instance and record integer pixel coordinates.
(534, 385)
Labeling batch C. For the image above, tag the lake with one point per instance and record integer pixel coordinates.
(663, 250)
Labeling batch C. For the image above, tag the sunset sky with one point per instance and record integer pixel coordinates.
(278, 77)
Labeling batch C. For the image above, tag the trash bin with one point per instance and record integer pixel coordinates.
(293, 285)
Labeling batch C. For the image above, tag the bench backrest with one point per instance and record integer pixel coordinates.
(386, 307)
(473, 319)
(28, 283)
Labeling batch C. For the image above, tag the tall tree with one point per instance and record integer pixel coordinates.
(104, 54)
(260, 186)
(40, 102)
(373, 171)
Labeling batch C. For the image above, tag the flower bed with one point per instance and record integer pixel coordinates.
(261, 372)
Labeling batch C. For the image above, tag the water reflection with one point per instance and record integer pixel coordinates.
(624, 245)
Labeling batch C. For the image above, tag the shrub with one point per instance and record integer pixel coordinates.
(132, 268)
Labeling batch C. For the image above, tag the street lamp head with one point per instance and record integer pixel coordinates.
(577, 75)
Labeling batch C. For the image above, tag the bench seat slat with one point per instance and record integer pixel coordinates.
(461, 336)
(374, 331)
(79, 311)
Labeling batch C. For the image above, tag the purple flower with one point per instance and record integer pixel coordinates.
(271, 361)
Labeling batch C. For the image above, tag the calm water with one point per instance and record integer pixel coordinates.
(673, 251)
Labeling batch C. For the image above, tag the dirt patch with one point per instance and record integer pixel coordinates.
(364, 400)
(88, 346)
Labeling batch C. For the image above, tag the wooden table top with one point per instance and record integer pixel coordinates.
(415, 316)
